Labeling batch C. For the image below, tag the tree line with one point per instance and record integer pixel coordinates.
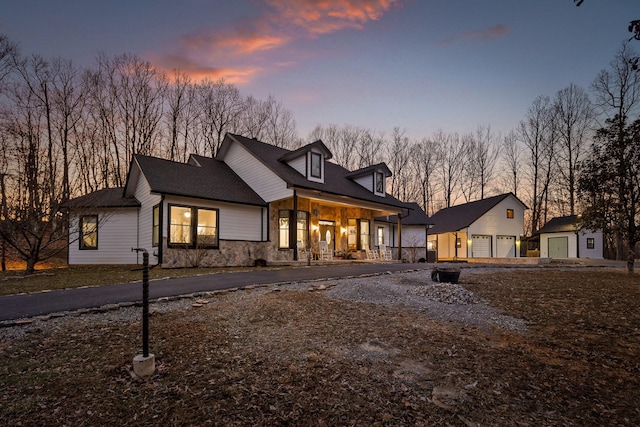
(67, 131)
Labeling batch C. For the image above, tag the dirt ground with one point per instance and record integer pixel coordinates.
(280, 356)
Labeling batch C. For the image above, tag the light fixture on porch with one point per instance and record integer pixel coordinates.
(315, 212)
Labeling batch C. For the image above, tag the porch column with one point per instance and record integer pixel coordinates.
(293, 227)
(399, 237)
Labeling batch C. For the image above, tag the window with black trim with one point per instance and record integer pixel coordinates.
(380, 236)
(316, 165)
(89, 232)
(155, 227)
(302, 228)
(510, 213)
(191, 227)
(364, 234)
(358, 234)
(379, 182)
(591, 243)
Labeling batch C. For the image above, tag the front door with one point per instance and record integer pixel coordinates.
(328, 232)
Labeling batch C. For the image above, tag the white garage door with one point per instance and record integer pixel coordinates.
(480, 246)
(505, 246)
(558, 247)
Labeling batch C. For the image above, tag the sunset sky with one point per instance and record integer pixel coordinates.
(422, 65)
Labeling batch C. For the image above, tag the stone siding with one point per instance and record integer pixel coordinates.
(229, 254)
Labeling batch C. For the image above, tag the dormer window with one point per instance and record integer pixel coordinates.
(379, 177)
(316, 165)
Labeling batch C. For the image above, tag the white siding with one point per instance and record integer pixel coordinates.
(446, 245)
(495, 222)
(366, 181)
(598, 251)
(299, 164)
(571, 241)
(117, 234)
(145, 216)
(263, 181)
(236, 222)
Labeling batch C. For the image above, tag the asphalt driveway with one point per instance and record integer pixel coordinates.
(13, 307)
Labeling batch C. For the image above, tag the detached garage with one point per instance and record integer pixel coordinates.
(564, 237)
(487, 228)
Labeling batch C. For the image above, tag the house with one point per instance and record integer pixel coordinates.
(563, 237)
(487, 228)
(411, 236)
(253, 201)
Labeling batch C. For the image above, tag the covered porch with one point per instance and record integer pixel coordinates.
(328, 228)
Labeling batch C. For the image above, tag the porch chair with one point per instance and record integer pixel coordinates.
(302, 251)
(385, 253)
(371, 254)
(325, 252)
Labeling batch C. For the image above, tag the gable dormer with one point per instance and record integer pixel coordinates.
(309, 160)
(373, 178)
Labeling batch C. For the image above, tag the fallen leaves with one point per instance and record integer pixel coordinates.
(301, 358)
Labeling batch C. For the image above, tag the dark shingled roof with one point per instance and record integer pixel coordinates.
(456, 218)
(106, 198)
(202, 178)
(336, 179)
(561, 224)
(416, 216)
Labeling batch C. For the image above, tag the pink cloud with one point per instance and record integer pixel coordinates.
(318, 17)
(200, 71)
(240, 54)
(496, 32)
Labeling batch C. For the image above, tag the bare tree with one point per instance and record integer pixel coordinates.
(535, 133)
(31, 217)
(280, 126)
(177, 101)
(486, 155)
(221, 108)
(574, 116)
(398, 154)
(369, 148)
(451, 165)
(8, 51)
(512, 158)
(252, 121)
(68, 102)
(425, 157)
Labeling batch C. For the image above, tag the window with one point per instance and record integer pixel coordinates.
(364, 234)
(352, 234)
(380, 236)
(379, 182)
(591, 243)
(193, 227)
(302, 228)
(89, 232)
(510, 213)
(316, 165)
(155, 233)
(283, 229)
(358, 235)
